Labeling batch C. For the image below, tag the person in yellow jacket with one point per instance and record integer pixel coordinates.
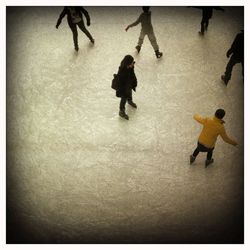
(212, 128)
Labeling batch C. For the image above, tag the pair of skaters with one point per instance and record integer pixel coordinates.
(237, 48)
(74, 17)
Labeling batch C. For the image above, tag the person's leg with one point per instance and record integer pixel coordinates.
(122, 103)
(122, 108)
(195, 153)
(209, 159)
(203, 21)
(141, 38)
(74, 31)
(210, 154)
(130, 100)
(85, 31)
(227, 75)
(152, 39)
(206, 24)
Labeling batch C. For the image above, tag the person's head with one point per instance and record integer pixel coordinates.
(127, 61)
(145, 9)
(220, 113)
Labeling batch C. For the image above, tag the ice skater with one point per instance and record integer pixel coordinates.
(207, 13)
(74, 17)
(146, 29)
(237, 52)
(212, 127)
(126, 83)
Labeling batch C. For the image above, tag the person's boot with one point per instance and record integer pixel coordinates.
(201, 33)
(138, 48)
(192, 159)
(223, 78)
(158, 54)
(208, 162)
(76, 48)
(131, 103)
(92, 41)
(123, 114)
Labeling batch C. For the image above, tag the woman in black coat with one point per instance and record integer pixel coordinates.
(74, 17)
(126, 82)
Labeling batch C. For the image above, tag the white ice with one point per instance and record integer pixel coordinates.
(77, 170)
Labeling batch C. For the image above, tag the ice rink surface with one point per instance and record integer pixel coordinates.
(78, 173)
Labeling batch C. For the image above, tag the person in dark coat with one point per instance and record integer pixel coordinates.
(74, 17)
(207, 13)
(237, 56)
(126, 83)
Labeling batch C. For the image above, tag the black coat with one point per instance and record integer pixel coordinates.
(237, 48)
(126, 82)
(66, 11)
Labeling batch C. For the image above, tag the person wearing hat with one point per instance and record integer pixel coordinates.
(74, 17)
(212, 128)
(126, 83)
(146, 29)
(237, 56)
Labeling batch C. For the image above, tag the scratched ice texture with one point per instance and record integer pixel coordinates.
(78, 173)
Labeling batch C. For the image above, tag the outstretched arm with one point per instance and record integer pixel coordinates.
(61, 17)
(200, 119)
(226, 138)
(86, 14)
(134, 24)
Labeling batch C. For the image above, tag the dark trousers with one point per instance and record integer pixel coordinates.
(204, 24)
(202, 148)
(233, 60)
(124, 100)
(73, 27)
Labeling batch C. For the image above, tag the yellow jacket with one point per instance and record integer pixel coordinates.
(212, 127)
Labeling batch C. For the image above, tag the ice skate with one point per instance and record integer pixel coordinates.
(158, 54)
(131, 103)
(208, 162)
(192, 159)
(123, 114)
(138, 48)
